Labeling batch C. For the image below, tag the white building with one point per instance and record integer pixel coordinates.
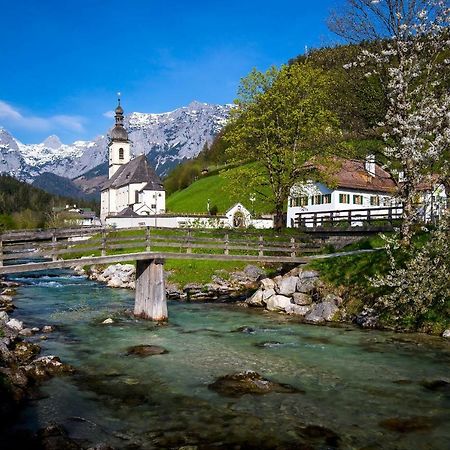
(133, 188)
(357, 185)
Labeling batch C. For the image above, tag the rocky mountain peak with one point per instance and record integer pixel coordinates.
(53, 142)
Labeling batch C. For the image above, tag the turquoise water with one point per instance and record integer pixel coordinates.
(352, 379)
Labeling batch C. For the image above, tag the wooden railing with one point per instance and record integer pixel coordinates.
(351, 217)
(82, 244)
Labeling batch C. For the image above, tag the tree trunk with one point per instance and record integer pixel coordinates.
(278, 220)
(407, 218)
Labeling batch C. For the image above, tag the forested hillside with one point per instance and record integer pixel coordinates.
(25, 206)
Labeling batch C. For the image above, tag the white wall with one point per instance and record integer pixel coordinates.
(114, 161)
(314, 189)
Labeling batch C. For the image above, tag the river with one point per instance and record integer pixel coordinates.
(362, 389)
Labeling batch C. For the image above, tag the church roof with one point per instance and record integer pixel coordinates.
(127, 212)
(138, 170)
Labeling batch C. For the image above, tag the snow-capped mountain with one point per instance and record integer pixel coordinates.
(166, 138)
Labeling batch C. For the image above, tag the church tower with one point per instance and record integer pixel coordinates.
(119, 145)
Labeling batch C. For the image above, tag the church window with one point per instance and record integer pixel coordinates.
(136, 196)
(121, 153)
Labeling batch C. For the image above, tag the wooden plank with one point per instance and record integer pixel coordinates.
(62, 264)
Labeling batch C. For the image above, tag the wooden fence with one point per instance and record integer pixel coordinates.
(82, 244)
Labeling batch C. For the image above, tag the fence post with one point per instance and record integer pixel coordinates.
(368, 216)
(315, 220)
(1, 252)
(293, 247)
(261, 246)
(189, 244)
(227, 241)
(349, 218)
(390, 215)
(54, 244)
(147, 239)
(103, 243)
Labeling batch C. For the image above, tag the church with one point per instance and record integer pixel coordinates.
(133, 188)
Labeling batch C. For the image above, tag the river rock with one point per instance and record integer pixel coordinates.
(47, 366)
(267, 283)
(15, 324)
(115, 282)
(437, 385)
(278, 303)
(267, 294)
(446, 334)
(48, 329)
(333, 299)
(297, 310)
(55, 437)
(408, 424)
(146, 350)
(26, 332)
(301, 299)
(305, 285)
(256, 299)
(308, 274)
(253, 272)
(287, 285)
(25, 351)
(248, 382)
(276, 281)
(4, 317)
(108, 321)
(322, 312)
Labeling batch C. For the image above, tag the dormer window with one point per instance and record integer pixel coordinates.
(121, 153)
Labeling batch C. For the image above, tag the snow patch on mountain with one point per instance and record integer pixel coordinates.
(166, 138)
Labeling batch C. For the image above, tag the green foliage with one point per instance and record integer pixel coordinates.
(24, 206)
(358, 100)
(283, 119)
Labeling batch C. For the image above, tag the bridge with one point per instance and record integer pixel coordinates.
(27, 251)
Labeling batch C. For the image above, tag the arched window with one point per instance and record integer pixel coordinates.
(121, 153)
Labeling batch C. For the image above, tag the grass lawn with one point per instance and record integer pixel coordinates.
(194, 198)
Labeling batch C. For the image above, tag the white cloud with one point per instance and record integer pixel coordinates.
(13, 116)
(109, 114)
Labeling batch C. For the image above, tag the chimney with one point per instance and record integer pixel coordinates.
(370, 165)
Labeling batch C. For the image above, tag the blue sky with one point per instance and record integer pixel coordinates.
(63, 61)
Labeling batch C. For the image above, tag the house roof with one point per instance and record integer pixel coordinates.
(127, 212)
(352, 174)
(138, 170)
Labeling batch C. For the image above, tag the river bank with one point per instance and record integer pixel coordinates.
(299, 292)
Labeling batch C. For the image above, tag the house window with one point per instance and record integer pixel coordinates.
(374, 200)
(299, 201)
(136, 196)
(357, 199)
(316, 199)
(153, 206)
(344, 198)
(326, 198)
(121, 153)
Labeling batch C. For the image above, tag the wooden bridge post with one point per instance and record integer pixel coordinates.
(147, 239)
(189, 244)
(1, 252)
(226, 249)
(261, 246)
(103, 243)
(293, 247)
(150, 302)
(54, 249)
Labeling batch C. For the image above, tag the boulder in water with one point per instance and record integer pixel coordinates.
(25, 351)
(407, 425)
(437, 385)
(146, 350)
(248, 382)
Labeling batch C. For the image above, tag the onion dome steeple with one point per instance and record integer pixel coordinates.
(118, 133)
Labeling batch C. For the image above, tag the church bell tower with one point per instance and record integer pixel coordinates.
(119, 145)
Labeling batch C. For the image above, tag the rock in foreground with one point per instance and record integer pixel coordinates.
(249, 382)
(146, 350)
